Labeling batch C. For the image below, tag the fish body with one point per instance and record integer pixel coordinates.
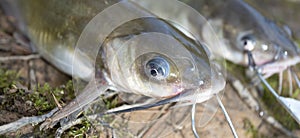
(239, 26)
(153, 68)
(55, 29)
(234, 21)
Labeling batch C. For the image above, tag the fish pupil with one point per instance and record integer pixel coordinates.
(248, 42)
(153, 72)
(157, 68)
(245, 43)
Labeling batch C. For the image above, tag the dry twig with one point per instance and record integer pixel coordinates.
(13, 126)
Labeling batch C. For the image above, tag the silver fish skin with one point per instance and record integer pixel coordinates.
(55, 30)
(54, 27)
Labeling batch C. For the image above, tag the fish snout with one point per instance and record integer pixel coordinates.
(280, 65)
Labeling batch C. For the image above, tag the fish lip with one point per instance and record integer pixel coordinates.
(172, 95)
(194, 96)
(279, 65)
(198, 94)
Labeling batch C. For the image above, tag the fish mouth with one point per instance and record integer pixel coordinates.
(279, 66)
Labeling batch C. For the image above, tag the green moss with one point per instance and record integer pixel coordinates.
(237, 71)
(30, 102)
(79, 131)
(43, 96)
(7, 79)
(251, 130)
(296, 93)
(42, 101)
(111, 103)
(298, 42)
(39, 98)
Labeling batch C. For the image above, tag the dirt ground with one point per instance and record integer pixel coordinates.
(36, 71)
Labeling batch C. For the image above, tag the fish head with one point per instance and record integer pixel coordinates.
(245, 29)
(270, 46)
(157, 60)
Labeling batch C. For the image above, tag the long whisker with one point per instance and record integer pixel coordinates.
(280, 82)
(146, 106)
(193, 112)
(296, 78)
(290, 82)
(141, 107)
(227, 116)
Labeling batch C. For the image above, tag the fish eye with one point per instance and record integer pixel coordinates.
(157, 68)
(248, 42)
